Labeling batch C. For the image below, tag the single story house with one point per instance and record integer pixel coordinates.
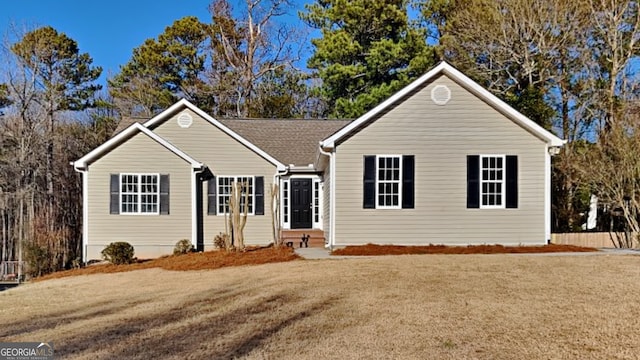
(443, 161)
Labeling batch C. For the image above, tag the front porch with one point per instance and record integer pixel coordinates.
(293, 238)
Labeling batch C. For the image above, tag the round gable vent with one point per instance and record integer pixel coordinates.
(185, 120)
(440, 94)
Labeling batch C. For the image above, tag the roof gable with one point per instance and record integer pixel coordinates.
(125, 135)
(444, 69)
(168, 113)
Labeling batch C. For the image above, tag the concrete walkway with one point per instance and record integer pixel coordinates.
(317, 253)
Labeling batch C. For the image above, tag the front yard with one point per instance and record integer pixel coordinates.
(418, 306)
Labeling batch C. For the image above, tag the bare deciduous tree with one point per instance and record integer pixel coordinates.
(276, 226)
(612, 168)
(245, 49)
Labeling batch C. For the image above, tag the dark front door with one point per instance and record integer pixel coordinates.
(301, 204)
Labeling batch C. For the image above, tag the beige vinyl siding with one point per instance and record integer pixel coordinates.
(441, 137)
(224, 156)
(150, 235)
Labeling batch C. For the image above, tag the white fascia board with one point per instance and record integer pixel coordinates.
(183, 102)
(124, 136)
(105, 147)
(456, 75)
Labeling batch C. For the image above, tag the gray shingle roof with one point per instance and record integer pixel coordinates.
(291, 141)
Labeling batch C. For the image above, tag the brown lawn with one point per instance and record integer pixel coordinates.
(389, 307)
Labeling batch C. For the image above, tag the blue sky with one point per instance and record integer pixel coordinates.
(107, 30)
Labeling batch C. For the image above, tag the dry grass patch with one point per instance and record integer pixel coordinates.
(208, 260)
(372, 249)
(401, 307)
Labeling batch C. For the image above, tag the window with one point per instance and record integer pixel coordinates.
(285, 200)
(139, 193)
(219, 191)
(316, 202)
(492, 181)
(388, 182)
(225, 184)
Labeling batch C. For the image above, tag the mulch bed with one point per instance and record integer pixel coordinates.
(194, 261)
(371, 249)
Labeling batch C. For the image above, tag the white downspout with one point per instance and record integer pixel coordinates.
(547, 193)
(276, 179)
(332, 196)
(85, 212)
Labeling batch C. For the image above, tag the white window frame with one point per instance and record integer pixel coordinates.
(502, 181)
(220, 196)
(315, 183)
(285, 203)
(139, 193)
(318, 203)
(399, 182)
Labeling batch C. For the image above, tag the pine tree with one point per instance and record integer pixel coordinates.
(368, 51)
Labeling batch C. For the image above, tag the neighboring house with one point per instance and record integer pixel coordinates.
(443, 161)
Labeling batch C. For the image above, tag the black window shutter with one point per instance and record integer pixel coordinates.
(164, 194)
(473, 181)
(512, 182)
(369, 182)
(408, 174)
(259, 196)
(212, 204)
(114, 203)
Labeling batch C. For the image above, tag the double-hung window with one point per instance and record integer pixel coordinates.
(388, 182)
(139, 193)
(492, 181)
(225, 186)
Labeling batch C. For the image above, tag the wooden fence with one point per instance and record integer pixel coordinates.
(11, 271)
(588, 239)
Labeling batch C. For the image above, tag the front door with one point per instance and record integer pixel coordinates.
(301, 203)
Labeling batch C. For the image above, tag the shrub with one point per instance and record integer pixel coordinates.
(220, 241)
(38, 259)
(118, 253)
(183, 246)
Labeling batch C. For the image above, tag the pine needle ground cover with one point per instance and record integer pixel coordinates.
(208, 260)
(372, 249)
(392, 307)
